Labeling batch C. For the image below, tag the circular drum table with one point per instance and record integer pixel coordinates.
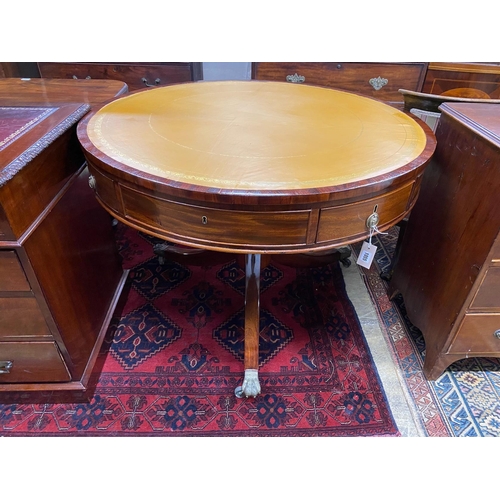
(254, 168)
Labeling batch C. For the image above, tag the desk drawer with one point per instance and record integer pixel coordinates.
(221, 227)
(12, 277)
(379, 80)
(21, 317)
(478, 333)
(349, 221)
(22, 362)
(130, 73)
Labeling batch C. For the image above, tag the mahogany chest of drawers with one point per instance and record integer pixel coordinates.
(136, 75)
(60, 273)
(379, 80)
(448, 269)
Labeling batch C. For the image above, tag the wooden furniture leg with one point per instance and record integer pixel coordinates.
(251, 385)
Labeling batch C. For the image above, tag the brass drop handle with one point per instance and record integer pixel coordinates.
(88, 77)
(145, 81)
(5, 366)
(92, 182)
(497, 334)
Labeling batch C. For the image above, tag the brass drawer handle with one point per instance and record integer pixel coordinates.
(92, 182)
(378, 83)
(5, 366)
(145, 81)
(295, 78)
(86, 78)
(497, 334)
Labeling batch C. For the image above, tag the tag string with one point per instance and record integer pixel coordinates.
(373, 230)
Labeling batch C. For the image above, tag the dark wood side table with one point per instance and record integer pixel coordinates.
(254, 168)
(60, 274)
(448, 269)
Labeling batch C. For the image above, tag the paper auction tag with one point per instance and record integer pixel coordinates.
(366, 255)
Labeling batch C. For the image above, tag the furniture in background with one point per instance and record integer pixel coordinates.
(259, 169)
(472, 80)
(136, 75)
(448, 269)
(379, 80)
(60, 273)
(426, 106)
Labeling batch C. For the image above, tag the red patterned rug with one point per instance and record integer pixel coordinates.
(174, 355)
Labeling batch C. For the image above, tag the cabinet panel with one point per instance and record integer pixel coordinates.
(31, 362)
(12, 277)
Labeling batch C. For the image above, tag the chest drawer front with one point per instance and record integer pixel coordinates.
(20, 317)
(349, 221)
(221, 227)
(488, 294)
(379, 80)
(136, 76)
(478, 333)
(12, 277)
(24, 362)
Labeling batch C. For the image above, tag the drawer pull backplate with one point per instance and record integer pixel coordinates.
(378, 83)
(5, 366)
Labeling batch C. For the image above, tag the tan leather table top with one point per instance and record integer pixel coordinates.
(255, 135)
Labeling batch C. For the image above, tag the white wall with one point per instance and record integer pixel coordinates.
(227, 70)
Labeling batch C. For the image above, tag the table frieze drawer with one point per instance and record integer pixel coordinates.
(478, 334)
(105, 190)
(21, 317)
(25, 362)
(349, 221)
(488, 294)
(194, 224)
(12, 277)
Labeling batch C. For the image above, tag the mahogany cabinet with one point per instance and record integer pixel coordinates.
(136, 75)
(60, 273)
(473, 80)
(448, 269)
(375, 79)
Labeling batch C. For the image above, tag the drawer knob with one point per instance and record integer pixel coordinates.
(145, 81)
(497, 334)
(92, 182)
(378, 83)
(5, 366)
(295, 78)
(339, 66)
